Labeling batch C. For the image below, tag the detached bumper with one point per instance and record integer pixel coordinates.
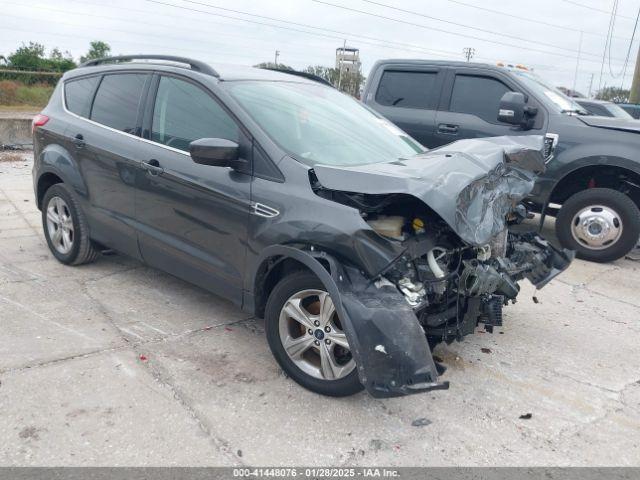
(386, 340)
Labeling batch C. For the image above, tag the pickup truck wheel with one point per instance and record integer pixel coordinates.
(306, 337)
(600, 224)
(65, 227)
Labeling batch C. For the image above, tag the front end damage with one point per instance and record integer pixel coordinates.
(438, 257)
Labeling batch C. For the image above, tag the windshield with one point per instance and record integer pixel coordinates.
(555, 98)
(319, 125)
(618, 112)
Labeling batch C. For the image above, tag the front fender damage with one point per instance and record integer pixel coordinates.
(385, 337)
(391, 348)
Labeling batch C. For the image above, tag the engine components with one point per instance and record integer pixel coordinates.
(481, 279)
(414, 292)
(388, 226)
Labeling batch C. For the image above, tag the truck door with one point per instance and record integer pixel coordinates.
(470, 104)
(408, 96)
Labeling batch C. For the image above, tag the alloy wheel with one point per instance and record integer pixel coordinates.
(312, 336)
(60, 225)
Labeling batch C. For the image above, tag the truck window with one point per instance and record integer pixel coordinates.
(407, 89)
(479, 96)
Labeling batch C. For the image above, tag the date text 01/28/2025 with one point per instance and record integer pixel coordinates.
(316, 472)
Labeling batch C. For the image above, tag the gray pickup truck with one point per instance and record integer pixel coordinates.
(592, 179)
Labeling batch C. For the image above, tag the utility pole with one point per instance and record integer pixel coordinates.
(634, 94)
(276, 59)
(590, 85)
(575, 76)
(469, 53)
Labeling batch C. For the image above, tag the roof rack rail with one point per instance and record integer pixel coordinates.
(309, 76)
(195, 65)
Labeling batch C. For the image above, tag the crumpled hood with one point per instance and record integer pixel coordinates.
(471, 184)
(612, 123)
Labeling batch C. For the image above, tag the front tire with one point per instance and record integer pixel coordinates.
(65, 227)
(600, 224)
(306, 337)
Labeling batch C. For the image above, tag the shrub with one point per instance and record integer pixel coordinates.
(35, 95)
(8, 92)
(16, 93)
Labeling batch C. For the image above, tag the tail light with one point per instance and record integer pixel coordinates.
(38, 121)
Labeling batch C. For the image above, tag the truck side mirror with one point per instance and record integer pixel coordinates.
(512, 107)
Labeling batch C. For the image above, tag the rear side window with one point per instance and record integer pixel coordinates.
(184, 112)
(79, 93)
(407, 89)
(478, 96)
(117, 101)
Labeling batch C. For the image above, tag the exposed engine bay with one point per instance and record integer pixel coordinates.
(446, 248)
(450, 285)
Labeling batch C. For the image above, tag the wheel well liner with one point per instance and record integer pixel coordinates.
(270, 271)
(602, 176)
(46, 181)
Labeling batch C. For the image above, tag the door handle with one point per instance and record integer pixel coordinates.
(153, 167)
(78, 141)
(448, 128)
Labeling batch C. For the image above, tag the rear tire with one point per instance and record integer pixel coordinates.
(296, 286)
(66, 228)
(582, 217)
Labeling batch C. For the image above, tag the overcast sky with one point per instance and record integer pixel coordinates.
(438, 29)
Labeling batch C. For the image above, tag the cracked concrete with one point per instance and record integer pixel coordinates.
(114, 363)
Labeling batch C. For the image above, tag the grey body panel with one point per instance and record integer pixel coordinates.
(471, 184)
(612, 123)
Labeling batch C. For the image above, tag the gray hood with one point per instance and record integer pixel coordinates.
(612, 123)
(471, 184)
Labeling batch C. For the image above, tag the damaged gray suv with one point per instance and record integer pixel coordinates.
(360, 249)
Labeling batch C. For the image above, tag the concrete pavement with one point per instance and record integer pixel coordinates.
(115, 363)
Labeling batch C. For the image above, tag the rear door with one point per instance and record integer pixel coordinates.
(470, 106)
(103, 135)
(408, 96)
(192, 218)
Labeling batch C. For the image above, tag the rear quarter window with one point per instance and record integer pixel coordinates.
(118, 100)
(79, 93)
(407, 89)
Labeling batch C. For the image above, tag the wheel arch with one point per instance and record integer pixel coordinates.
(600, 175)
(46, 181)
(278, 261)
(56, 165)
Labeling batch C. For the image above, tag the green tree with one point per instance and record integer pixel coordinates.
(347, 82)
(613, 94)
(60, 62)
(273, 66)
(97, 49)
(28, 57)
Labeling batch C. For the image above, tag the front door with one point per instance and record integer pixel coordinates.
(472, 109)
(192, 218)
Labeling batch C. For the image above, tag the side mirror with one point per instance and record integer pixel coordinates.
(216, 152)
(512, 108)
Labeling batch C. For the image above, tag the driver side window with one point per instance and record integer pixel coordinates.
(184, 112)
